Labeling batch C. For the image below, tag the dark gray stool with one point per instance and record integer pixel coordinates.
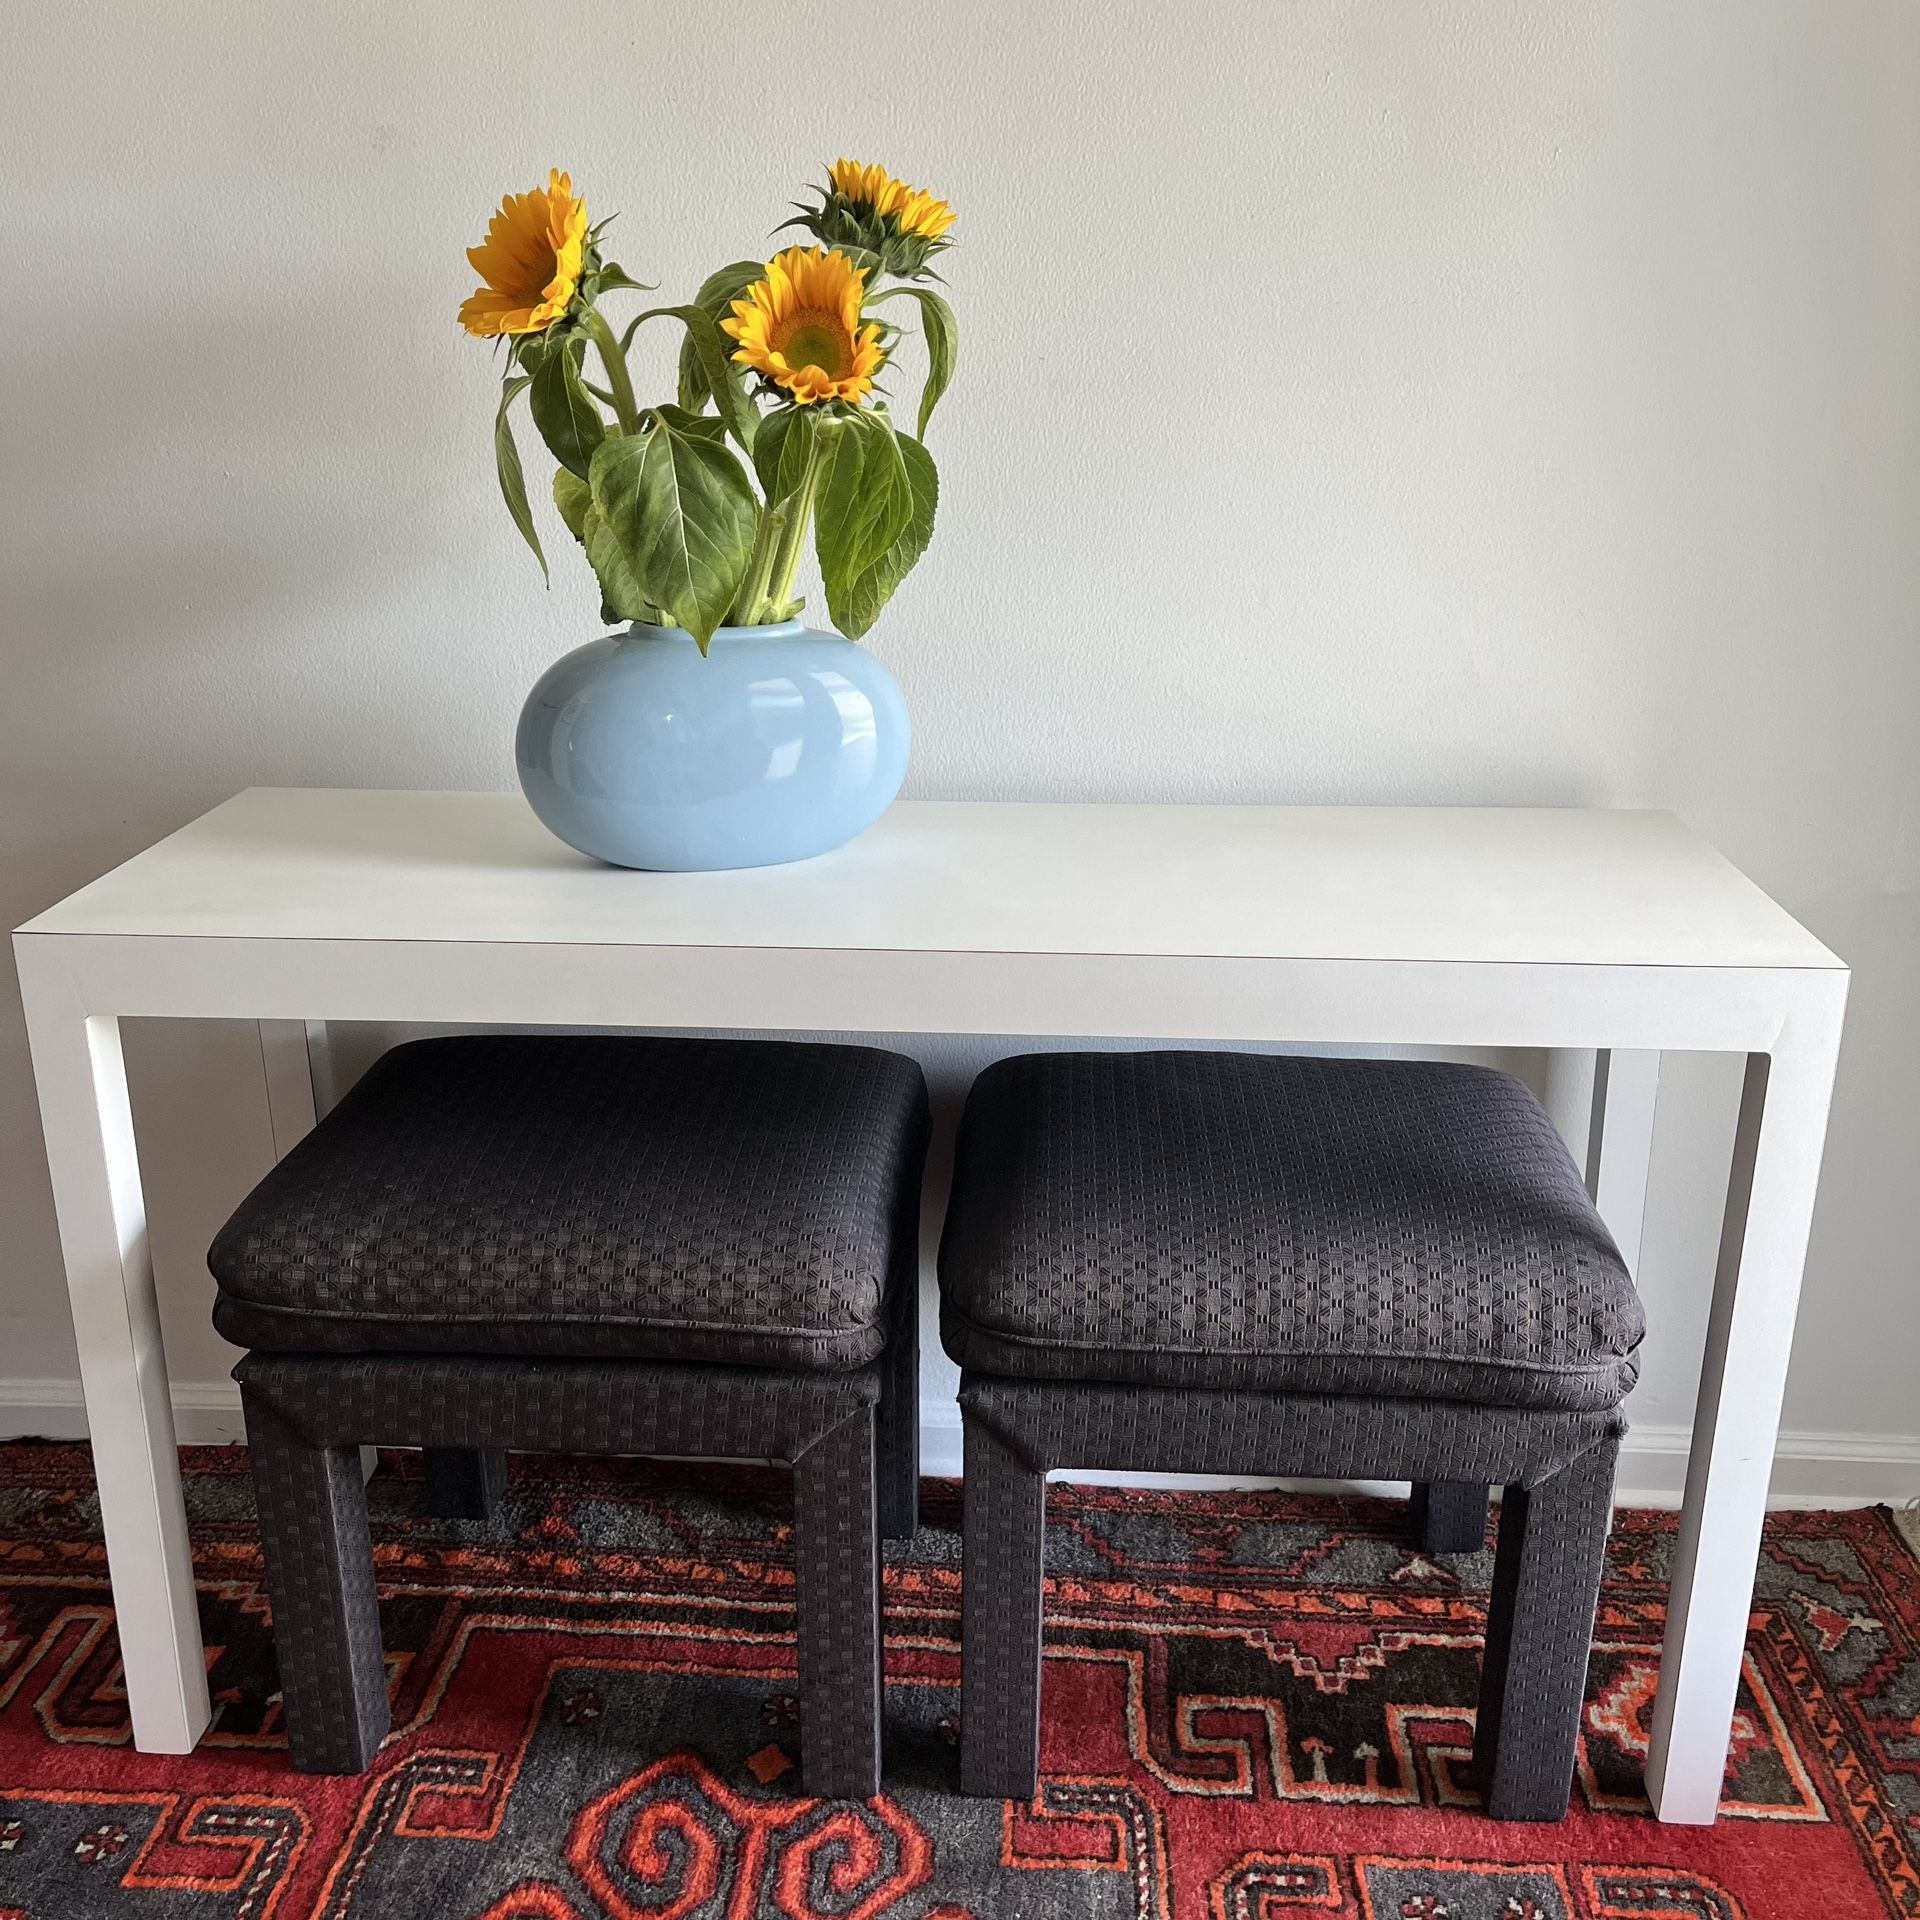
(586, 1245)
(1216, 1263)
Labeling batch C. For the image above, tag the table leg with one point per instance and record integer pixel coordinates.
(321, 1066)
(123, 1368)
(1763, 1245)
(1568, 1094)
(298, 1065)
(1603, 1103)
(293, 1103)
(1626, 1086)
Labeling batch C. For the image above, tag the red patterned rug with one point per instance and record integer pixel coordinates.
(1257, 1706)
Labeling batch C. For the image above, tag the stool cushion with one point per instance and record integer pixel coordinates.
(1315, 1226)
(718, 1200)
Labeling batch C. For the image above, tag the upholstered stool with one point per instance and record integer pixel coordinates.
(1216, 1263)
(587, 1245)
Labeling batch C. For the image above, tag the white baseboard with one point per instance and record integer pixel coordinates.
(206, 1413)
(1810, 1469)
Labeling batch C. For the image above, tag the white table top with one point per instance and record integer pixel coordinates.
(1486, 885)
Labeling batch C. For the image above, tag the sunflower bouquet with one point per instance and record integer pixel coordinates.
(695, 512)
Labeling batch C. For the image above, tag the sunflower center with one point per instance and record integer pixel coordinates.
(814, 340)
(540, 274)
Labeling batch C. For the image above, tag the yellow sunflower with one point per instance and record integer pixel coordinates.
(874, 189)
(530, 260)
(800, 326)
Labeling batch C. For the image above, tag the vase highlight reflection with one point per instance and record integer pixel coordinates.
(778, 745)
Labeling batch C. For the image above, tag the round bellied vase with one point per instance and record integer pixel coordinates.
(779, 744)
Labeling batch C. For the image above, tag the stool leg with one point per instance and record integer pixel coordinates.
(837, 1573)
(1002, 1589)
(464, 1483)
(1449, 1516)
(326, 1619)
(898, 1431)
(1546, 1586)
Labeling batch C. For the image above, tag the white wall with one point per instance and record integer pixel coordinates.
(1454, 403)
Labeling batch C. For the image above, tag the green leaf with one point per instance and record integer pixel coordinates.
(691, 382)
(942, 334)
(513, 482)
(780, 451)
(682, 513)
(621, 597)
(740, 387)
(613, 278)
(844, 451)
(574, 498)
(725, 285)
(857, 605)
(877, 424)
(714, 351)
(865, 497)
(528, 351)
(565, 412)
(717, 293)
(711, 348)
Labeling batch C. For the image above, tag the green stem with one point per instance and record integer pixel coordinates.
(615, 362)
(748, 603)
(793, 536)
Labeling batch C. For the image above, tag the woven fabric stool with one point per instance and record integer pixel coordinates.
(586, 1245)
(1217, 1263)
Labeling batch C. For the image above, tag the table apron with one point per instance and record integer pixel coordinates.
(767, 989)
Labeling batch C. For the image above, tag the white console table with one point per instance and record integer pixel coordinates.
(1407, 926)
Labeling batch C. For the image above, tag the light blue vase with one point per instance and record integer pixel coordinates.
(778, 745)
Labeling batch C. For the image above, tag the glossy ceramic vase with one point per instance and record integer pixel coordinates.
(780, 744)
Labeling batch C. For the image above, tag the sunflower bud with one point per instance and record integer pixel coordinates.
(867, 213)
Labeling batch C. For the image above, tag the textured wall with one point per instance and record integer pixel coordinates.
(1467, 403)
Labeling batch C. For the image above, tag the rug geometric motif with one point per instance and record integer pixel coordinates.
(1256, 1707)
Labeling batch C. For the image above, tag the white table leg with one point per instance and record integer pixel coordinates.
(320, 1068)
(1603, 1103)
(1763, 1245)
(299, 1071)
(292, 1101)
(297, 1059)
(1626, 1086)
(1568, 1094)
(123, 1369)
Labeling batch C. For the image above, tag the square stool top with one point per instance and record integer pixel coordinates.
(737, 1201)
(1230, 1221)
